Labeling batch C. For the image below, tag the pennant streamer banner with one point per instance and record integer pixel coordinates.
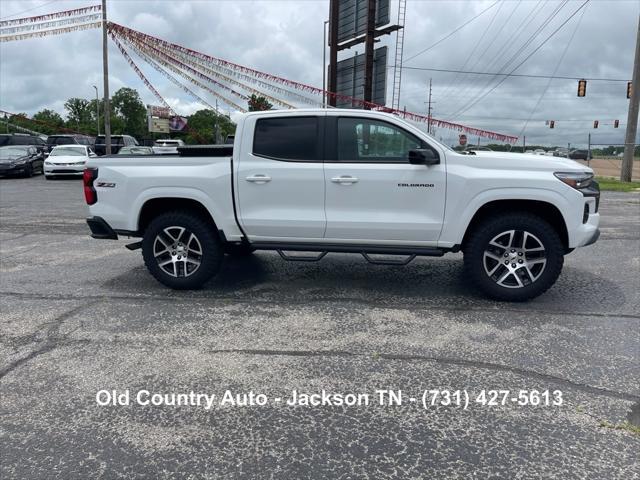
(172, 79)
(46, 25)
(46, 33)
(216, 74)
(141, 75)
(51, 16)
(150, 40)
(186, 76)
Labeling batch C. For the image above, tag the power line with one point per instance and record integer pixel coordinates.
(555, 77)
(28, 10)
(524, 60)
(566, 48)
(454, 82)
(452, 32)
(520, 50)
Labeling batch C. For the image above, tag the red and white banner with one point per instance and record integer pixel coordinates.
(46, 33)
(150, 40)
(51, 16)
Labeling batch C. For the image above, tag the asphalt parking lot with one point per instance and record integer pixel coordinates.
(80, 315)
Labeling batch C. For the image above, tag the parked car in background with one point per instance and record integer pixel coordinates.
(23, 139)
(136, 150)
(20, 160)
(64, 139)
(117, 142)
(580, 155)
(167, 146)
(560, 152)
(67, 160)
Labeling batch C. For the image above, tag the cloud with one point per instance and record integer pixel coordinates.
(285, 38)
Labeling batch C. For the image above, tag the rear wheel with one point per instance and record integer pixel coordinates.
(182, 250)
(514, 257)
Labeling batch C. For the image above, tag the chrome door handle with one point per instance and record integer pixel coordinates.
(344, 180)
(259, 178)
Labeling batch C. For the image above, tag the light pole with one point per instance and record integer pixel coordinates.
(97, 109)
(324, 63)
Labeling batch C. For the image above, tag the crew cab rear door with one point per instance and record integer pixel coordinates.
(279, 177)
(373, 193)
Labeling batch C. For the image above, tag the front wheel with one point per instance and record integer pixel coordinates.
(514, 257)
(181, 250)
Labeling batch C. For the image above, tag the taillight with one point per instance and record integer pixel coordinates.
(90, 195)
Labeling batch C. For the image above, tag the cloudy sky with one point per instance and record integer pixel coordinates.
(285, 38)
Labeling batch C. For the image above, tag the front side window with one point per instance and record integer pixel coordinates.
(368, 140)
(288, 138)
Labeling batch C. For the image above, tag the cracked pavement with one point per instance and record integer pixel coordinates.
(79, 315)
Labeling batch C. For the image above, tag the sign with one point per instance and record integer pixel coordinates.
(157, 111)
(351, 79)
(352, 17)
(159, 125)
(177, 124)
(462, 139)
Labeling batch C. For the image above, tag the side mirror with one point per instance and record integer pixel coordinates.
(423, 156)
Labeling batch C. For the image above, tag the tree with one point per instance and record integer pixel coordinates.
(128, 107)
(48, 122)
(79, 114)
(257, 104)
(202, 124)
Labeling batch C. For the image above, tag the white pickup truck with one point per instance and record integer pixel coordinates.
(351, 181)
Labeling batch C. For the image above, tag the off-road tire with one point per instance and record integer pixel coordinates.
(479, 242)
(210, 260)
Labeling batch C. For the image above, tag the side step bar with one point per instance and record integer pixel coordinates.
(365, 250)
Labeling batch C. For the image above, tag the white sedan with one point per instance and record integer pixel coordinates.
(67, 160)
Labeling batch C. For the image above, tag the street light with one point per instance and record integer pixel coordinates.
(324, 64)
(97, 109)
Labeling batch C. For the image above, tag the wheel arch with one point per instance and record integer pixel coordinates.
(153, 207)
(545, 210)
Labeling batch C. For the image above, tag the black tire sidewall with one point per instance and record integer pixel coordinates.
(485, 232)
(212, 252)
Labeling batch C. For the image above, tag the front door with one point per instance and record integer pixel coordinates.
(280, 179)
(373, 193)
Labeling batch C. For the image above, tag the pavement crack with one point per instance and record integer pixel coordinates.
(52, 339)
(318, 301)
(442, 360)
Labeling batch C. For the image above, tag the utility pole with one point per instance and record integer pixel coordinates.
(429, 111)
(105, 79)
(334, 15)
(589, 151)
(632, 117)
(368, 52)
(324, 63)
(97, 109)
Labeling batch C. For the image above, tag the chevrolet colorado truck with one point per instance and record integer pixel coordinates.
(350, 181)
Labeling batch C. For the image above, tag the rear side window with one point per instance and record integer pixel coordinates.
(288, 138)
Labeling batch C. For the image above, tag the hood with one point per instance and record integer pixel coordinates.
(528, 161)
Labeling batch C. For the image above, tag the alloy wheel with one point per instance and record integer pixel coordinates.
(514, 259)
(177, 251)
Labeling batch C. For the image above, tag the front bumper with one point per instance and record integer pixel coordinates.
(64, 169)
(13, 169)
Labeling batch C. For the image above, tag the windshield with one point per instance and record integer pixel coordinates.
(68, 151)
(11, 152)
(135, 151)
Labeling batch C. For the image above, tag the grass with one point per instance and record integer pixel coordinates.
(608, 183)
(626, 426)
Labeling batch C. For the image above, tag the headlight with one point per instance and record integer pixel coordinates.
(80, 163)
(577, 180)
(19, 162)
